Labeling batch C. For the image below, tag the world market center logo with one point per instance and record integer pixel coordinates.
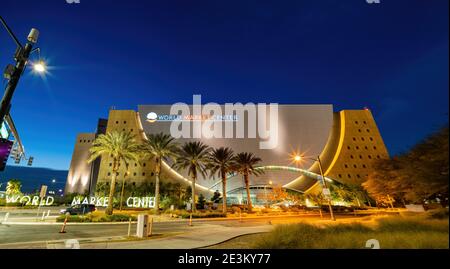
(227, 121)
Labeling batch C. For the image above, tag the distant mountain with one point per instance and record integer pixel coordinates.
(33, 178)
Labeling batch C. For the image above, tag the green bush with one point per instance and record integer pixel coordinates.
(438, 213)
(90, 218)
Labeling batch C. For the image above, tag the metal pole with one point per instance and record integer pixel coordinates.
(21, 57)
(326, 187)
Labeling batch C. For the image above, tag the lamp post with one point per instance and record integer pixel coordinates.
(297, 159)
(13, 73)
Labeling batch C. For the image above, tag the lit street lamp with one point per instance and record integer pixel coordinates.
(13, 73)
(326, 190)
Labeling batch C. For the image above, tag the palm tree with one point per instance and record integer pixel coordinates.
(193, 156)
(160, 147)
(245, 165)
(127, 172)
(121, 147)
(13, 187)
(222, 161)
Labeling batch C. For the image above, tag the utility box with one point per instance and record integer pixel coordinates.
(142, 226)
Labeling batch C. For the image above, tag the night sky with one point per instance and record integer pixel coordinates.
(391, 57)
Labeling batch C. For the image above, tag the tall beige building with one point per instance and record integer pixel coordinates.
(347, 142)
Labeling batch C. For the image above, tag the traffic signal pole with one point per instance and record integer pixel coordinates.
(21, 58)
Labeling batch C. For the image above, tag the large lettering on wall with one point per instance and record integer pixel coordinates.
(134, 202)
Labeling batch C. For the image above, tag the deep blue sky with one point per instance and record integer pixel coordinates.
(391, 57)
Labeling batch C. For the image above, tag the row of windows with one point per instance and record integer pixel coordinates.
(360, 131)
(355, 166)
(364, 122)
(366, 147)
(134, 174)
(135, 165)
(362, 139)
(124, 122)
(368, 156)
(350, 176)
(85, 141)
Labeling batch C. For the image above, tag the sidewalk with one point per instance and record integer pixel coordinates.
(198, 237)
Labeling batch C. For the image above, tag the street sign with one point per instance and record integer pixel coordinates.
(43, 192)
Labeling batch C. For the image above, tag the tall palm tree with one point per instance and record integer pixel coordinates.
(246, 165)
(193, 156)
(161, 147)
(13, 187)
(121, 147)
(221, 161)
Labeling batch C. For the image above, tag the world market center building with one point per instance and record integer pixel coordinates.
(347, 143)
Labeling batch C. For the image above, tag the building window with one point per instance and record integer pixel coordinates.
(109, 173)
(355, 166)
(375, 147)
(368, 130)
(110, 164)
(152, 174)
(362, 138)
(371, 139)
(357, 147)
(132, 130)
(370, 157)
(134, 174)
(81, 141)
(346, 166)
(364, 166)
(354, 138)
(125, 122)
(349, 176)
(340, 176)
(359, 130)
(378, 157)
(144, 164)
(348, 147)
(143, 174)
(360, 156)
(356, 122)
(351, 156)
(117, 122)
(135, 165)
(366, 147)
(358, 176)
(365, 122)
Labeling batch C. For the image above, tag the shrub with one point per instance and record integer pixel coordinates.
(438, 213)
(96, 218)
(198, 215)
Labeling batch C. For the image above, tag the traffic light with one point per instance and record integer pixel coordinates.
(5, 151)
(30, 161)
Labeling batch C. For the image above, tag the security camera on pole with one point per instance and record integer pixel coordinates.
(13, 73)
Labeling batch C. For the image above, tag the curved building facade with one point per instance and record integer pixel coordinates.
(347, 143)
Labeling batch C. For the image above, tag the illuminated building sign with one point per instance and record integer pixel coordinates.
(134, 202)
(30, 200)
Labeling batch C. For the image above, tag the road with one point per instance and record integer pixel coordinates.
(33, 233)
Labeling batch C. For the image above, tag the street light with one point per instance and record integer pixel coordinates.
(40, 67)
(326, 190)
(13, 73)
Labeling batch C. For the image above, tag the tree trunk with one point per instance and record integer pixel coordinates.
(194, 207)
(247, 187)
(123, 187)
(109, 209)
(157, 172)
(224, 193)
(121, 194)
